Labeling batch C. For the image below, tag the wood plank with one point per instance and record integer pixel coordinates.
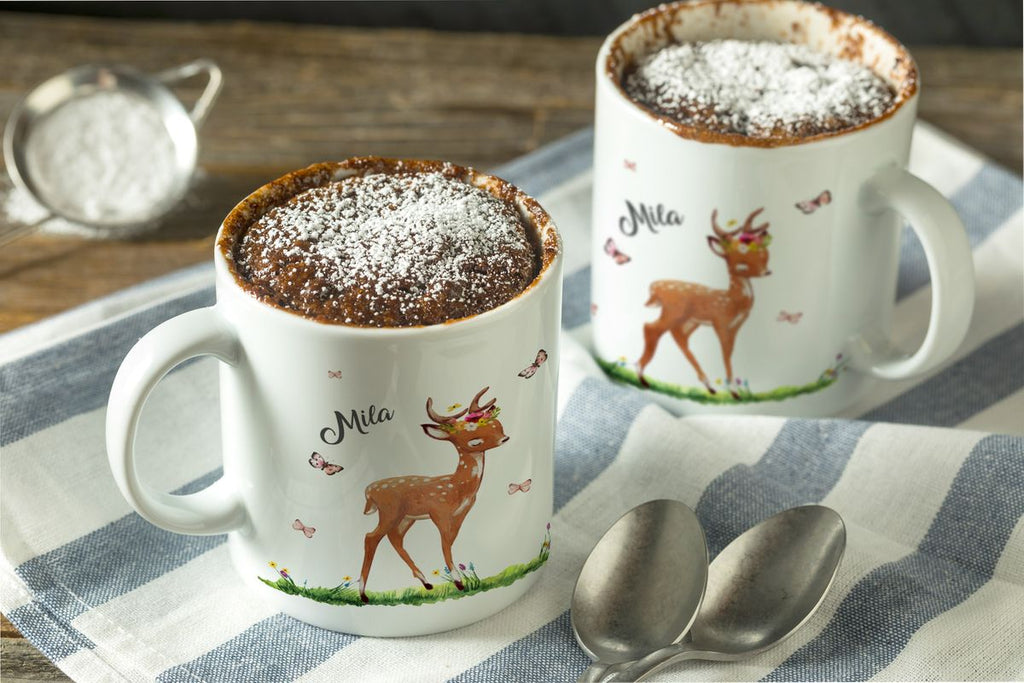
(19, 661)
(307, 93)
(975, 95)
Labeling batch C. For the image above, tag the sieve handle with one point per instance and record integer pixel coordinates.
(215, 79)
(18, 231)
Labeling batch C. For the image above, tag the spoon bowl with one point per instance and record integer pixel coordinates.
(641, 586)
(769, 581)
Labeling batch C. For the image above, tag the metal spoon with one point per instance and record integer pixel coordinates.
(641, 586)
(761, 588)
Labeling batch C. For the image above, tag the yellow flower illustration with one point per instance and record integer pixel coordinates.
(346, 578)
(273, 564)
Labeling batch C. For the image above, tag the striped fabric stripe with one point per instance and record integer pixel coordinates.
(49, 631)
(70, 378)
(586, 449)
(873, 618)
(276, 649)
(803, 464)
(576, 299)
(548, 654)
(956, 557)
(101, 565)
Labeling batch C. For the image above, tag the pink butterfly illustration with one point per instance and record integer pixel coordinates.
(631, 165)
(533, 367)
(317, 461)
(792, 318)
(308, 530)
(811, 205)
(613, 251)
(334, 374)
(524, 487)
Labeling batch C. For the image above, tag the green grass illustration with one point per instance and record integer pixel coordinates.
(348, 593)
(723, 396)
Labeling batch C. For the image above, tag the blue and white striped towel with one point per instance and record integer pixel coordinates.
(930, 481)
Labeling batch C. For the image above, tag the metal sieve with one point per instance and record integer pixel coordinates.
(181, 125)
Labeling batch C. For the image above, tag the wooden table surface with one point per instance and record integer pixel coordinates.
(296, 95)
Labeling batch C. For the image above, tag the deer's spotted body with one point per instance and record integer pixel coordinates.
(685, 306)
(446, 499)
(703, 307)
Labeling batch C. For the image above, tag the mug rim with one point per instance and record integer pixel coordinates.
(610, 58)
(283, 188)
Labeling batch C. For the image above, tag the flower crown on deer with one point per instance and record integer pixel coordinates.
(468, 419)
(745, 238)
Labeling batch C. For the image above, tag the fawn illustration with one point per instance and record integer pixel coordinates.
(685, 306)
(445, 500)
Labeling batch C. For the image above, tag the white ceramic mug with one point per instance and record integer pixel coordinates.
(732, 274)
(399, 467)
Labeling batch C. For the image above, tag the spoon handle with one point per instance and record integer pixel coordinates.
(594, 673)
(645, 666)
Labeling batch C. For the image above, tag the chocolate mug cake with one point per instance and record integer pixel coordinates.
(759, 89)
(396, 244)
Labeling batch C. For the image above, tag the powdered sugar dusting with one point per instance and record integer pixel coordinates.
(758, 89)
(389, 250)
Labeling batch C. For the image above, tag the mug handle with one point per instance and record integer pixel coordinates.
(950, 264)
(217, 508)
(215, 79)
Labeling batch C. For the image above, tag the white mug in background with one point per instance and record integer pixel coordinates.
(735, 274)
(377, 481)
